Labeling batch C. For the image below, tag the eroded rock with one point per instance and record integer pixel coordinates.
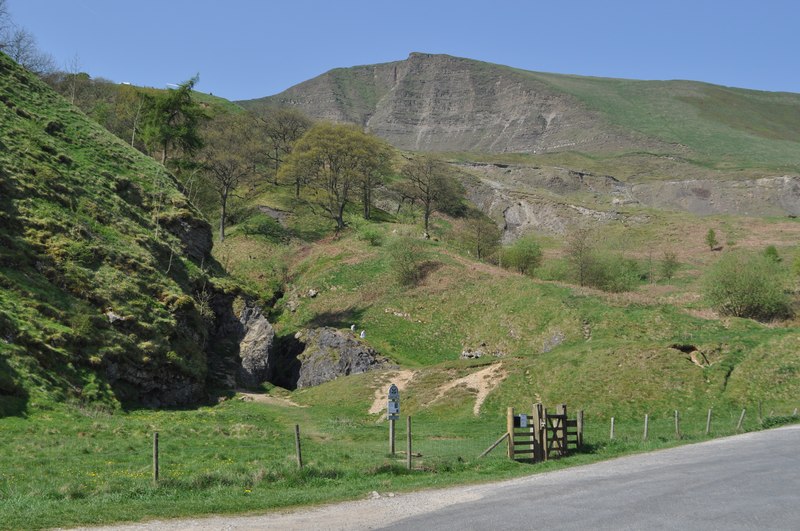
(330, 353)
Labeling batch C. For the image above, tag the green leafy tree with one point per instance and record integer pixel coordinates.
(335, 160)
(172, 122)
(711, 239)
(747, 285)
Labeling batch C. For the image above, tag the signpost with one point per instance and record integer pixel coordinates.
(393, 413)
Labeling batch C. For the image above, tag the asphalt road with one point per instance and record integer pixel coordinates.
(744, 482)
(749, 481)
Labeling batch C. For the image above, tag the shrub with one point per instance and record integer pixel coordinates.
(263, 225)
(406, 256)
(771, 252)
(371, 235)
(611, 272)
(524, 255)
(669, 265)
(747, 285)
(711, 239)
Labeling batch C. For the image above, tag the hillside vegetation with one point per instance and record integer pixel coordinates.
(483, 280)
(103, 265)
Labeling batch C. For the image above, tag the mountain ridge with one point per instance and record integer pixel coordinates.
(436, 102)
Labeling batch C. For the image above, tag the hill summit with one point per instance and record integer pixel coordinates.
(433, 102)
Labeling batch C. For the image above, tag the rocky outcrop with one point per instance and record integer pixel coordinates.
(142, 385)
(255, 347)
(241, 350)
(768, 196)
(330, 353)
(194, 234)
(523, 198)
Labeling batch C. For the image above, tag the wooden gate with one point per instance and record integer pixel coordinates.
(543, 435)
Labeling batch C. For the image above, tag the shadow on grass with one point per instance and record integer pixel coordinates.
(338, 319)
(13, 398)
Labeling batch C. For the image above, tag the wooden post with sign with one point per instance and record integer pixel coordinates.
(393, 413)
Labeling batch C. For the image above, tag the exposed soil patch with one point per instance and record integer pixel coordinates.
(266, 399)
(483, 382)
(399, 378)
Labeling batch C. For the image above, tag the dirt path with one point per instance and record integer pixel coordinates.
(266, 399)
(399, 378)
(482, 381)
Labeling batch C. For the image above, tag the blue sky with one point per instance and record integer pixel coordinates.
(247, 49)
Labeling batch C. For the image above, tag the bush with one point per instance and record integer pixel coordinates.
(669, 265)
(771, 252)
(747, 285)
(407, 256)
(524, 255)
(611, 272)
(263, 225)
(371, 235)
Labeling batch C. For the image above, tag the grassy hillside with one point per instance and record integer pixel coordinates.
(721, 127)
(637, 129)
(109, 290)
(95, 286)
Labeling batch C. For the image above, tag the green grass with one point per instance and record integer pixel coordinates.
(88, 467)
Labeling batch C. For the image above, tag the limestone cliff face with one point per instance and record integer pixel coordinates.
(442, 103)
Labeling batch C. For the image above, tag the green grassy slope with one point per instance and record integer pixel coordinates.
(86, 234)
(720, 126)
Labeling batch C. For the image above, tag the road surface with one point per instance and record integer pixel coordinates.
(749, 481)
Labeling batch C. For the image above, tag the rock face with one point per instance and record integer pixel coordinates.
(524, 199)
(194, 234)
(155, 389)
(255, 348)
(768, 196)
(241, 351)
(433, 102)
(330, 353)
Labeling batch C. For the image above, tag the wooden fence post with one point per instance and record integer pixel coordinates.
(741, 419)
(561, 409)
(545, 442)
(677, 425)
(580, 429)
(646, 418)
(155, 457)
(297, 446)
(408, 442)
(510, 430)
(539, 435)
(794, 414)
(708, 422)
(612, 428)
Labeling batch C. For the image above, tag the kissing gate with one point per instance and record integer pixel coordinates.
(544, 435)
